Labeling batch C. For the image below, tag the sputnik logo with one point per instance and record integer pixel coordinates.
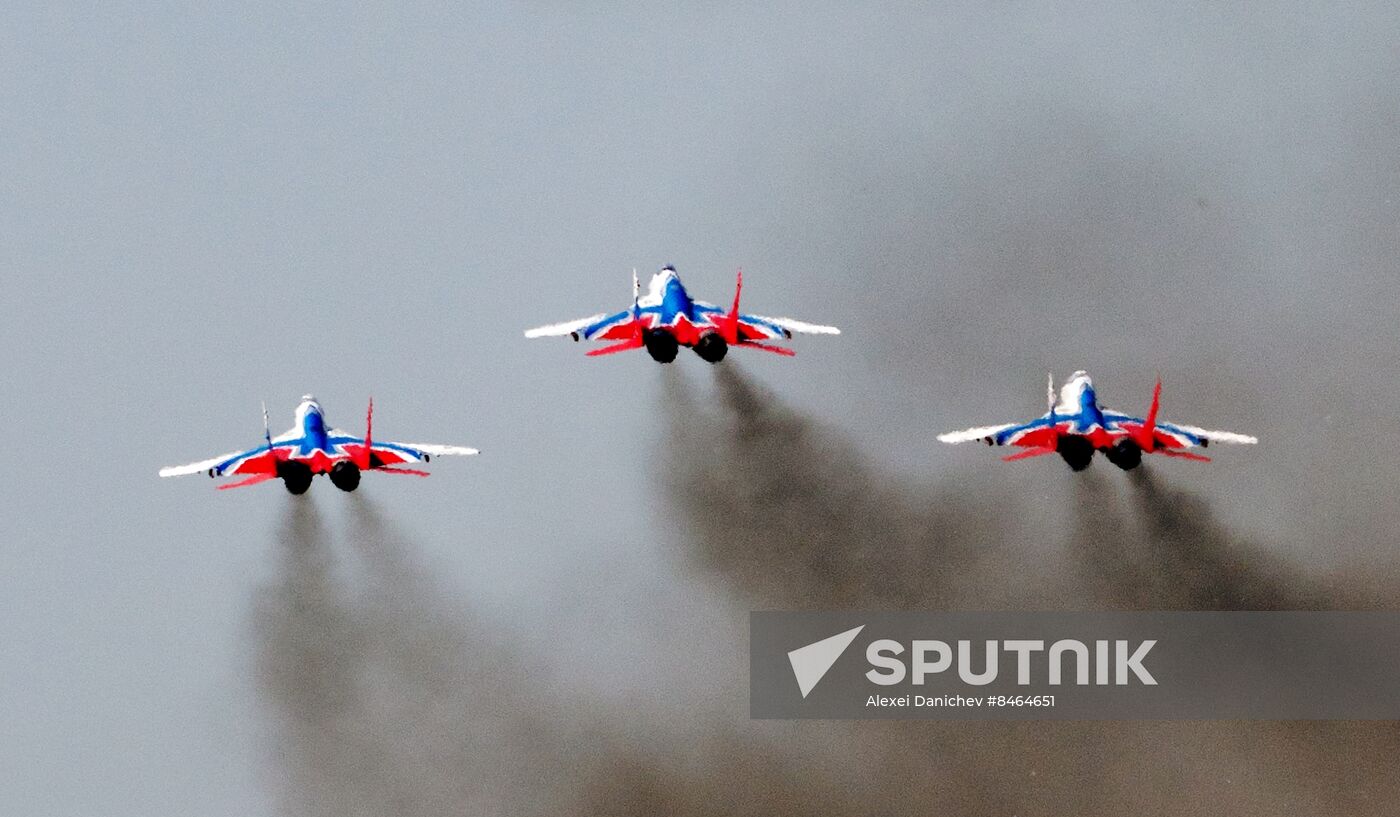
(811, 663)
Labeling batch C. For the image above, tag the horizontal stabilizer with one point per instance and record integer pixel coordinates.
(624, 346)
(1184, 455)
(777, 350)
(253, 480)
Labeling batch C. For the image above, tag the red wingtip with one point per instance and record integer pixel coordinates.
(1027, 454)
(409, 471)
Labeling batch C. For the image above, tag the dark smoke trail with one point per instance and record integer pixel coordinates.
(310, 659)
(458, 720)
(387, 699)
(391, 700)
(723, 775)
(792, 515)
(1167, 550)
(1200, 564)
(1197, 563)
(1107, 553)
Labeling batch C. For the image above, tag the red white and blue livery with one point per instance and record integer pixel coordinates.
(1078, 426)
(667, 318)
(312, 447)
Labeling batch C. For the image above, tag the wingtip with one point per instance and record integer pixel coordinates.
(1232, 437)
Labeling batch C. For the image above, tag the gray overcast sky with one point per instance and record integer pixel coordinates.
(202, 208)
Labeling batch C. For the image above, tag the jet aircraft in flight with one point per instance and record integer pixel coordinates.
(311, 448)
(1078, 426)
(667, 318)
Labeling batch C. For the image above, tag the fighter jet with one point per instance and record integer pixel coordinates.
(667, 318)
(311, 448)
(1078, 426)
